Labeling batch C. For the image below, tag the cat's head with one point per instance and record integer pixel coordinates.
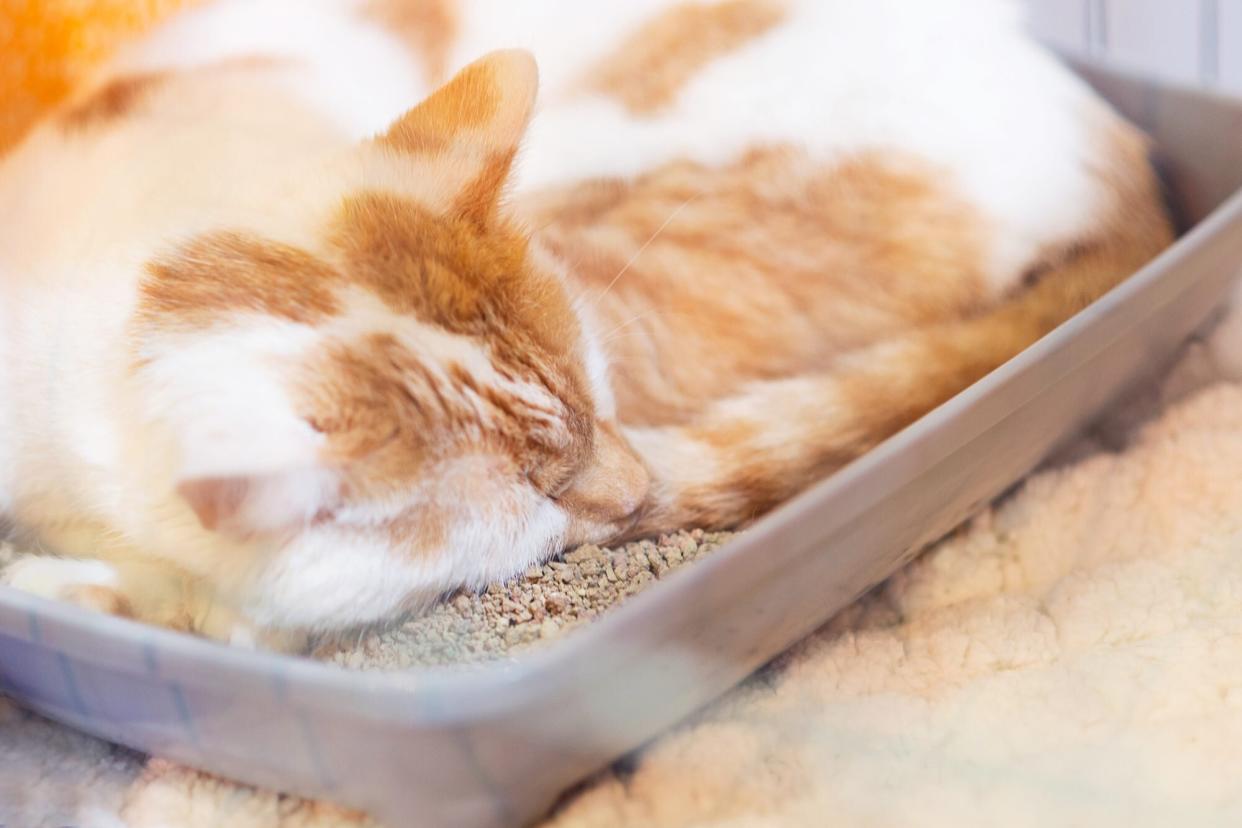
(408, 402)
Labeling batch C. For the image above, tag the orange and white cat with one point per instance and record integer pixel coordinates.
(280, 354)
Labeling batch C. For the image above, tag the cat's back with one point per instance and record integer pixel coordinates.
(851, 169)
(628, 87)
(957, 85)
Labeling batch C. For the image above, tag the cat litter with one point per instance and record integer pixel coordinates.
(543, 603)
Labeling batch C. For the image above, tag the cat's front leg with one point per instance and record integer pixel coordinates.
(90, 584)
(154, 597)
(128, 587)
(223, 624)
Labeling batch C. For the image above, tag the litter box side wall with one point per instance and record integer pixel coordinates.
(605, 689)
(497, 745)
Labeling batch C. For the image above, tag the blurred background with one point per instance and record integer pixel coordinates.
(1195, 42)
(45, 47)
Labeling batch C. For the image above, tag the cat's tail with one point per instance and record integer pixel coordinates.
(747, 453)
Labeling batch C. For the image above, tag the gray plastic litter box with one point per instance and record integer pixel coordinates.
(496, 745)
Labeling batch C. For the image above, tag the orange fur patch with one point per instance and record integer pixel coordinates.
(442, 271)
(446, 272)
(837, 413)
(99, 598)
(842, 257)
(114, 100)
(470, 101)
(388, 392)
(121, 97)
(386, 412)
(451, 273)
(1065, 280)
(389, 417)
(226, 272)
(380, 402)
(606, 489)
(649, 68)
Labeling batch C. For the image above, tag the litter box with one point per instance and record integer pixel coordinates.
(495, 745)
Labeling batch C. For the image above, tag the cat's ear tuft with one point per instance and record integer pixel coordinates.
(474, 122)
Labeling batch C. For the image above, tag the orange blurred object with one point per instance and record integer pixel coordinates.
(49, 47)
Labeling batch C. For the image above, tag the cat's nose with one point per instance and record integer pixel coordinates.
(612, 487)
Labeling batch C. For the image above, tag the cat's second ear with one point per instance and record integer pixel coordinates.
(474, 122)
(242, 458)
(255, 481)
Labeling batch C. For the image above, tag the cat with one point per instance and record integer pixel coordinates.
(313, 311)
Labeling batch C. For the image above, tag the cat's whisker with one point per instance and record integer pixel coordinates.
(619, 330)
(638, 253)
(613, 340)
(629, 321)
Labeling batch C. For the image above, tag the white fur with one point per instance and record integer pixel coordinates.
(498, 532)
(50, 577)
(221, 394)
(94, 451)
(348, 67)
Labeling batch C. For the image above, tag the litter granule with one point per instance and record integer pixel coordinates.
(544, 602)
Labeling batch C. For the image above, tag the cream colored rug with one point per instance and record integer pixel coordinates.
(1073, 656)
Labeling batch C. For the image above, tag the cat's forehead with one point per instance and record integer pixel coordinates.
(423, 321)
(419, 265)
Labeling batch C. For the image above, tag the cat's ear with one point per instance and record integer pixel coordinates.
(486, 105)
(474, 122)
(255, 475)
(241, 456)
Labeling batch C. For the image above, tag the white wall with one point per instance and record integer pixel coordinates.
(1192, 41)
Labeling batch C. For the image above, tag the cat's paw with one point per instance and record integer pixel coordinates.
(280, 641)
(238, 632)
(89, 584)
